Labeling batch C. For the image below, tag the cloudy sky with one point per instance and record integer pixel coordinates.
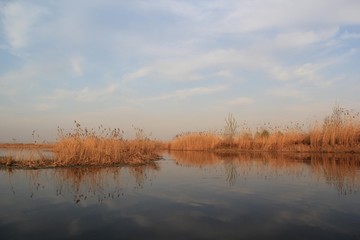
(171, 66)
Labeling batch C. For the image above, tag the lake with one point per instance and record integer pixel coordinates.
(188, 195)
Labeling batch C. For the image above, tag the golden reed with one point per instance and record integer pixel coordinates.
(340, 132)
(84, 147)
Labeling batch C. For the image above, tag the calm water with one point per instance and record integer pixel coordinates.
(187, 196)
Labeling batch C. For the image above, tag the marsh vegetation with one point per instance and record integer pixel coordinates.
(339, 132)
(86, 147)
(202, 194)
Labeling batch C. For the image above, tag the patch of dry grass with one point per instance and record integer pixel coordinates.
(84, 147)
(195, 141)
(340, 132)
(246, 141)
(102, 147)
(286, 140)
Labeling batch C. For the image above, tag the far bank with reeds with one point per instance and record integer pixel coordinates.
(339, 132)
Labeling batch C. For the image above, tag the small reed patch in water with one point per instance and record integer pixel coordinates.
(83, 147)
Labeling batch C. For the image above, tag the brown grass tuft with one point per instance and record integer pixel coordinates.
(83, 147)
(102, 147)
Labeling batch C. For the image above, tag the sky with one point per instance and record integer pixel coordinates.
(170, 66)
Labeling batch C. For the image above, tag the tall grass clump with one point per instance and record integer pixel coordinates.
(276, 139)
(103, 146)
(341, 129)
(230, 132)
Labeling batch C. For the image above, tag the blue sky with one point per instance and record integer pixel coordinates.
(172, 66)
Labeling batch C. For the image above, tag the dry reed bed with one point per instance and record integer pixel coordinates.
(84, 147)
(89, 151)
(340, 132)
(315, 140)
(198, 141)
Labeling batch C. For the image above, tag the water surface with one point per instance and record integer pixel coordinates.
(187, 195)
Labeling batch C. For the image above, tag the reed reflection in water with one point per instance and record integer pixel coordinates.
(341, 171)
(187, 195)
(84, 183)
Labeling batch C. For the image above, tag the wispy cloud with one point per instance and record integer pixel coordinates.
(190, 92)
(83, 95)
(203, 66)
(18, 18)
(221, 64)
(303, 38)
(310, 73)
(182, 9)
(77, 65)
(141, 54)
(185, 69)
(273, 14)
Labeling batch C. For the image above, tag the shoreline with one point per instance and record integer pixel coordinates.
(10, 163)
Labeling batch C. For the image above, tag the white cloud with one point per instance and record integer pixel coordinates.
(178, 8)
(190, 92)
(84, 95)
(277, 71)
(274, 14)
(311, 73)
(77, 65)
(220, 47)
(200, 66)
(221, 64)
(142, 72)
(306, 74)
(303, 38)
(18, 18)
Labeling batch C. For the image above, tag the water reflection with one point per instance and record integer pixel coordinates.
(187, 195)
(341, 171)
(84, 183)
